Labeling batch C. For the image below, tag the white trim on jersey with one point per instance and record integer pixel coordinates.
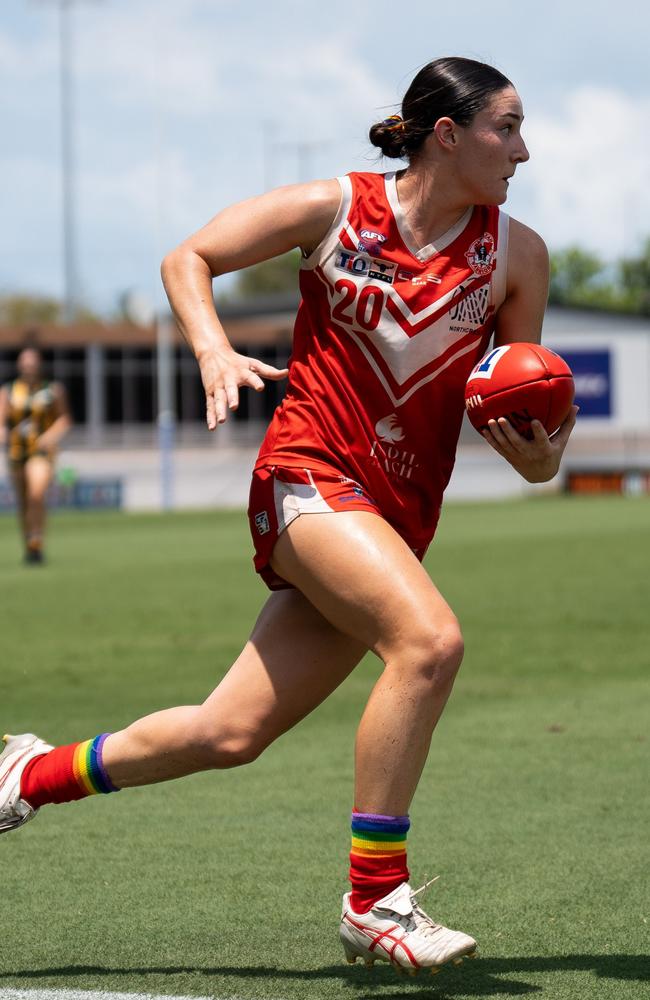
(423, 253)
(354, 239)
(500, 273)
(330, 238)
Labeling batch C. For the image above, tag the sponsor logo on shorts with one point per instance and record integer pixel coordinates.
(365, 266)
(356, 496)
(262, 523)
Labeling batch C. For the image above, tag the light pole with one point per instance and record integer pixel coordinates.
(70, 276)
(68, 166)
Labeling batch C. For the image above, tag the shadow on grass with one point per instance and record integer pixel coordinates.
(480, 978)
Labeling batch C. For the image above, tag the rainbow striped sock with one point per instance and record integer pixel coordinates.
(67, 773)
(377, 857)
(88, 767)
(375, 836)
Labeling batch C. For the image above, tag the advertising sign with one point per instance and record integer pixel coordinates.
(85, 494)
(592, 373)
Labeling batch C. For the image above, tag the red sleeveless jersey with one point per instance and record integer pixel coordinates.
(385, 338)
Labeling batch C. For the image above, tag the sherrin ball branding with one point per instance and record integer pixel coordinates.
(522, 382)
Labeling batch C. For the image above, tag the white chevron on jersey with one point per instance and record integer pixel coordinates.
(403, 355)
(399, 400)
(437, 306)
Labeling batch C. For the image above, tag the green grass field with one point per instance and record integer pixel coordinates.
(533, 806)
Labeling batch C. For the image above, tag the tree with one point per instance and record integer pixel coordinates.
(32, 309)
(572, 273)
(579, 278)
(23, 309)
(635, 278)
(279, 274)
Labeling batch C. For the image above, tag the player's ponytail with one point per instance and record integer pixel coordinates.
(451, 87)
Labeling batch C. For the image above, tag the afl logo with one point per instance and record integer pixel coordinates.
(371, 242)
(480, 255)
(367, 234)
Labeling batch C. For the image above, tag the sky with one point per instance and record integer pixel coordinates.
(181, 107)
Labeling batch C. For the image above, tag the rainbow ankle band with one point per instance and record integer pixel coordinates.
(88, 767)
(376, 836)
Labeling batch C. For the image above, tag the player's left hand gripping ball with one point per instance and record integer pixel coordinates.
(521, 382)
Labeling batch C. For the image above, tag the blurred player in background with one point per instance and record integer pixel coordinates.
(34, 417)
(405, 278)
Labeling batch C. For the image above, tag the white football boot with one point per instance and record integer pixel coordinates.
(398, 931)
(18, 752)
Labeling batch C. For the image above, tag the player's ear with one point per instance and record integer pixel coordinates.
(446, 132)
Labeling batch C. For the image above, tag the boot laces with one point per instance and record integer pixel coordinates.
(423, 922)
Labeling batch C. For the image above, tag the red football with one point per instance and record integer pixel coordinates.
(522, 382)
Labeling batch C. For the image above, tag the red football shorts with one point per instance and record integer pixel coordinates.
(278, 496)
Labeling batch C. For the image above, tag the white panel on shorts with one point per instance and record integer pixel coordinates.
(294, 499)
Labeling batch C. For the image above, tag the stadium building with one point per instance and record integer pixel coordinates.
(112, 376)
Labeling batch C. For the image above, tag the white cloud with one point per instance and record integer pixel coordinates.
(588, 178)
(173, 94)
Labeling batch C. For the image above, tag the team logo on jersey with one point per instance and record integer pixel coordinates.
(470, 312)
(480, 255)
(365, 266)
(387, 429)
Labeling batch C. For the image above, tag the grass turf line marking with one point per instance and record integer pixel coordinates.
(65, 994)
(10, 993)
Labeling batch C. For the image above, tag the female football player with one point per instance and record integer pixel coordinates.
(405, 278)
(34, 417)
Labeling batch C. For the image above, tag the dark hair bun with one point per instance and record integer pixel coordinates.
(389, 136)
(451, 87)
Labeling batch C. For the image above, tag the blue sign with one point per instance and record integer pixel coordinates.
(85, 494)
(592, 374)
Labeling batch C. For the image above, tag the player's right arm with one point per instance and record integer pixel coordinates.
(244, 234)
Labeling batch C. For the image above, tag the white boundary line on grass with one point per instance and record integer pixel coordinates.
(9, 993)
(66, 994)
